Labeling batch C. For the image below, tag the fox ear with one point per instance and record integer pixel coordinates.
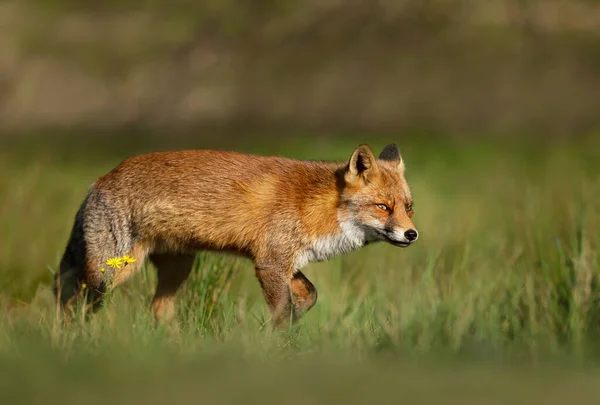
(362, 164)
(391, 153)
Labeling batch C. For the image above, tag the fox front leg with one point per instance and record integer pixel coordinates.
(304, 294)
(275, 284)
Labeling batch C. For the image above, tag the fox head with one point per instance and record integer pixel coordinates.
(375, 198)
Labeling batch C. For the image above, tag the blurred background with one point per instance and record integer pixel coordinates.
(451, 66)
(495, 105)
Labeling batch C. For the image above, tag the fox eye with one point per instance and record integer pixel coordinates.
(409, 211)
(383, 207)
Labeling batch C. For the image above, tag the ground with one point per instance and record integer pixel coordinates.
(496, 303)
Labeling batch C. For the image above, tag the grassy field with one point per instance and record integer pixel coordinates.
(496, 302)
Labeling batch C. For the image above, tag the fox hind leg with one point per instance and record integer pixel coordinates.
(100, 278)
(173, 270)
(139, 253)
(77, 283)
(100, 232)
(92, 280)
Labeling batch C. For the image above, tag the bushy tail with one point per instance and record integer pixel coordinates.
(68, 280)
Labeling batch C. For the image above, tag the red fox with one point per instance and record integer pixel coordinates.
(280, 213)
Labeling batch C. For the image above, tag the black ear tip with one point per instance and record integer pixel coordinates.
(390, 152)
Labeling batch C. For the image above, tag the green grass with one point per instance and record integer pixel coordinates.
(505, 272)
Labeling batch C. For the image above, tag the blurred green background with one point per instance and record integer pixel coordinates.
(446, 65)
(494, 106)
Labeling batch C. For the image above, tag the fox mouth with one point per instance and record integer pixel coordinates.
(394, 242)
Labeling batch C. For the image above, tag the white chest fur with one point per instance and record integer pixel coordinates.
(350, 237)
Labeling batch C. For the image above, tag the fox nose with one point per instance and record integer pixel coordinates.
(411, 235)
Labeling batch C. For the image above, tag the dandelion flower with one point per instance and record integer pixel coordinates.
(115, 262)
(127, 259)
(102, 270)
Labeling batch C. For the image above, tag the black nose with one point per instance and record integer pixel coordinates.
(411, 235)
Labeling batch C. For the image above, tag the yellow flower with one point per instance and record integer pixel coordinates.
(102, 270)
(83, 285)
(115, 262)
(126, 259)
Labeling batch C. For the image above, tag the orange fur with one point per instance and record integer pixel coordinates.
(281, 213)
